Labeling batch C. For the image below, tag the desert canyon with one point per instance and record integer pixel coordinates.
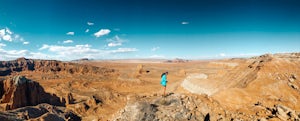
(259, 88)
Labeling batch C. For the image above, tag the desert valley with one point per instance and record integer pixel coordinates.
(260, 88)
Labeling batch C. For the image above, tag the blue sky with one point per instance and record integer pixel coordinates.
(118, 29)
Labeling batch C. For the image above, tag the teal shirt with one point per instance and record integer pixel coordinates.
(164, 81)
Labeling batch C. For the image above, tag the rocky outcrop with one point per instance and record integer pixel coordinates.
(87, 106)
(173, 108)
(139, 111)
(41, 112)
(284, 113)
(23, 64)
(181, 107)
(18, 92)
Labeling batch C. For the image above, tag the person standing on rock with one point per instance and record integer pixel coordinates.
(164, 81)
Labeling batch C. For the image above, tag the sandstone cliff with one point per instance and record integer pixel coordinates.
(18, 92)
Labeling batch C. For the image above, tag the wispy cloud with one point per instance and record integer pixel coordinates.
(71, 52)
(2, 45)
(90, 23)
(102, 32)
(123, 50)
(17, 36)
(70, 33)
(157, 56)
(114, 44)
(8, 31)
(184, 22)
(222, 54)
(67, 49)
(82, 51)
(22, 39)
(13, 54)
(87, 30)
(115, 41)
(68, 41)
(2, 32)
(236, 55)
(25, 43)
(155, 48)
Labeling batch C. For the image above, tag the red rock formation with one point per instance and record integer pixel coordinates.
(18, 92)
(23, 64)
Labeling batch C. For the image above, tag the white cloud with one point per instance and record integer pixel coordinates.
(115, 41)
(17, 36)
(70, 33)
(82, 51)
(123, 50)
(68, 41)
(7, 38)
(114, 44)
(58, 52)
(157, 56)
(155, 48)
(2, 32)
(102, 32)
(184, 22)
(44, 47)
(2, 45)
(8, 31)
(14, 54)
(71, 52)
(90, 23)
(5, 34)
(87, 30)
(222, 54)
(22, 39)
(63, 49)
(25, 43)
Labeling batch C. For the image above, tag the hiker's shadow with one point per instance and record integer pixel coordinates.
(171, 93)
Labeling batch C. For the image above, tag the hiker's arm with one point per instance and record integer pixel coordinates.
(166, 79)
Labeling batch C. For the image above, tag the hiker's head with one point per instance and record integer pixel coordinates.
(165, 73)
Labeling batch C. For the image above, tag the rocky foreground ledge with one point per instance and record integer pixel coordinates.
(183, 107)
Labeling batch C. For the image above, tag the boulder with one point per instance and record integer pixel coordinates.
(138, 111)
